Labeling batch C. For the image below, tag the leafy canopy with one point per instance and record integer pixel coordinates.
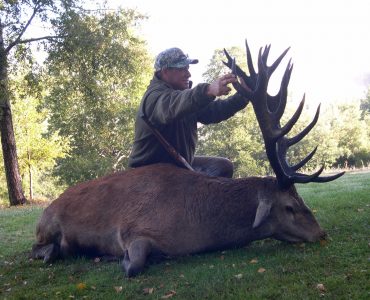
(96, 76)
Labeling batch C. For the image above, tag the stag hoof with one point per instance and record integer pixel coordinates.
(129, 268)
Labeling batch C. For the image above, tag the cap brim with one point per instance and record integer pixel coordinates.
(184, 63)
(192, 61)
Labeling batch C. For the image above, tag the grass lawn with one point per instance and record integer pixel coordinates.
(336, 269)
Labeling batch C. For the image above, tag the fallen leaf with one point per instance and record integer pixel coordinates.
(360, 209)
(254, 261)
(169, 294)
(238, 276)
(148, 291)
(81, 286)
(261, 270)
(118, 289)
(321, 287)
(323, 243)
(222, 257)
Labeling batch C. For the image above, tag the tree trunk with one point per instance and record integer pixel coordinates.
(13, 177)
(30, 176)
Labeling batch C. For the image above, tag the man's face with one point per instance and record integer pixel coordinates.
(178, 78)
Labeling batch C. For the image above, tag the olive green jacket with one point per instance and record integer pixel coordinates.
(175, 115)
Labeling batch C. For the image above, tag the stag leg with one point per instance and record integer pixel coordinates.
(135, 257)
(48, 253)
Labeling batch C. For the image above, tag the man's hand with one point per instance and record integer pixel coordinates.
(245, 86)
(219, 87)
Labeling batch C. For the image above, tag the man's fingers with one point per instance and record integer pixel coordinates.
(227, 81)
(226, 91)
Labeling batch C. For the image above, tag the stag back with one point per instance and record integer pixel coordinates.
(269, 110)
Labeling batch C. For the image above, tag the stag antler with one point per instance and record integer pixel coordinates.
(269, 110)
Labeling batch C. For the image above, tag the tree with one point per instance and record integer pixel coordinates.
(15, 20)
(321, 136)
(97, 75)
(365, 104)
(353, 135)
(37, 150)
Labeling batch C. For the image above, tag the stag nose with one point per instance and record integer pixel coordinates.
(323, 235)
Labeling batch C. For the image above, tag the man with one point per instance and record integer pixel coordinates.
(174, 108)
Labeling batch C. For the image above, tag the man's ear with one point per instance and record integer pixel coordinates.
(164, 73)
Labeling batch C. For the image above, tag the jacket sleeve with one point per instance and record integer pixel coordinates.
(220, 110)
(163, 105)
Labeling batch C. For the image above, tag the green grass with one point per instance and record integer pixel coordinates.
(291, 271)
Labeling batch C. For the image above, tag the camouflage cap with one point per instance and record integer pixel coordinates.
(173, 58)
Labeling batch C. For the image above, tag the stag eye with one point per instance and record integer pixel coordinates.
(289, 209)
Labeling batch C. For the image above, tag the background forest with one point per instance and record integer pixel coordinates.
(73, 111)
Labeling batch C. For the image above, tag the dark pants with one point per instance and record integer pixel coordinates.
(213, 166)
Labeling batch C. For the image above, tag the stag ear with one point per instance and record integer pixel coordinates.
(263, 210)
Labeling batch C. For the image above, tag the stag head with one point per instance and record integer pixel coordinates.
(269, 110)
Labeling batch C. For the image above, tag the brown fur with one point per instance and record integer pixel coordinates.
(164, 209)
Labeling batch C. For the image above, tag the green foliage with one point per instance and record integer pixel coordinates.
(96, 76)
(216, 67)
(352, 135)
(238, 138)
(292, 271)
(320, 136)
(37, 151)
(341, 135)
(16, 19)
(365, 105)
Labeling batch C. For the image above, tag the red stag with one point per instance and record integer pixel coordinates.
(164, 209)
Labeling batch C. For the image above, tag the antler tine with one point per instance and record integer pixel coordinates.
(304, 132)
(279, 59)
(238, 72)
(328, 178)
(283, 92)
(289, 125)
(265, 54)
(261, 65)
(305, 160)
(229, 63)
(303, 178)
(252, 72)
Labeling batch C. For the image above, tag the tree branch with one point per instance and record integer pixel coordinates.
(47, 37)
(18, 39)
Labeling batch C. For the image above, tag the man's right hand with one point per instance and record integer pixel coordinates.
(219, 87)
